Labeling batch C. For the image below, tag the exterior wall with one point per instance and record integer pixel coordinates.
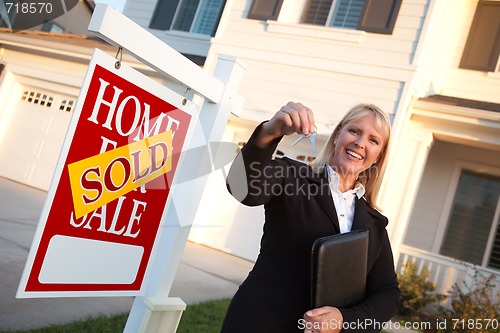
(442, 36)
(431, 209)
(329, 69)
(470, 84)
(141, 12)
(46, 69)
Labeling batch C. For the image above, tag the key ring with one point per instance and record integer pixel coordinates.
(312, 138)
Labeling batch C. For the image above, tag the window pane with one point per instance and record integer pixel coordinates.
(185, 15)
(208, 16)
(347, 13)
(471, 217)
(318, 11)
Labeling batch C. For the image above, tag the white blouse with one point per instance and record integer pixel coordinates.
(344, 201)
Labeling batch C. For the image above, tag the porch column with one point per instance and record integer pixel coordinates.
(402, 182)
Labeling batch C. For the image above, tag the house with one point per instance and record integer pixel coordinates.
(432, 65)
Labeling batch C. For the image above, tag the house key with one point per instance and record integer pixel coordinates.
(312, 138)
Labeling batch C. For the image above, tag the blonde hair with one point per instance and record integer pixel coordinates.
(371, 178)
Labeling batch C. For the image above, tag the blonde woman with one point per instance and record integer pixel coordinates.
(335, 194)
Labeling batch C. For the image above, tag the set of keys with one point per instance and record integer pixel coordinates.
(312, 138)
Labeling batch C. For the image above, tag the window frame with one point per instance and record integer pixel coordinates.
(447, 211)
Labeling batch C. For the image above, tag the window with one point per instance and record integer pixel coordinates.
(194, 16)
(38, 98)
(340, 13)
(67, 105)
(369, 15)
(473, 234)
(482, 49)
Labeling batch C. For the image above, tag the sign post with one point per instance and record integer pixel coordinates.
(101, 218)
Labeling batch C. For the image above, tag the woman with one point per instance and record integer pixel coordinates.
(335, 194)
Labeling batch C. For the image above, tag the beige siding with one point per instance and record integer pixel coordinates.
(442, 36)
(329, 69)
(465, 83)
(433, 192)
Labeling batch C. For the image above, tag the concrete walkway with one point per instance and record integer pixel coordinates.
(203, 273)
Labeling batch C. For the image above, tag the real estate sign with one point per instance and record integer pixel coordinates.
(110, 191)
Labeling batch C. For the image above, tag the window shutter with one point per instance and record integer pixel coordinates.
(379, 16)
(164, 14)
(482, 49)
(265, 9)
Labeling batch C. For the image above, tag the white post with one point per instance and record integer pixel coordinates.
(155, 311)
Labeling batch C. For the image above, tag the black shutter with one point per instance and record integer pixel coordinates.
(164, 14)
(265, 9)
(482, 49)
(379, 16)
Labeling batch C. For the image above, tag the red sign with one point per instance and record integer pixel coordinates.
(106, 251)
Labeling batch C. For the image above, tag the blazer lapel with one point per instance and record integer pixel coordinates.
(362, 218)
(324, 197)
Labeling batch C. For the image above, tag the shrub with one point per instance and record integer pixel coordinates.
(417, 291)
(472, 308)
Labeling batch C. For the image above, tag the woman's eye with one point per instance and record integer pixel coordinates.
(375, 141)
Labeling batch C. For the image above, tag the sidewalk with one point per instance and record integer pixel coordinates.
(203, 274)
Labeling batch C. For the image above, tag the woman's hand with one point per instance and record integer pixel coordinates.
(326, 319)
(291, 118)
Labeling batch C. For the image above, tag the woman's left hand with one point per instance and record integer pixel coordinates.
(326, 319)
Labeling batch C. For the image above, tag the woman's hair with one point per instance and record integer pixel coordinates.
(371, 178)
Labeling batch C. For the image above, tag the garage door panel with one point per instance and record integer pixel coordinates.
(31, 145)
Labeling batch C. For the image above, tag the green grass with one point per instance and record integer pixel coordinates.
(204, 317)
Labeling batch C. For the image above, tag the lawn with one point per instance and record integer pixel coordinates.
(204, 317)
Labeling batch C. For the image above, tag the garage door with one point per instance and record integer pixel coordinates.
(34, 135)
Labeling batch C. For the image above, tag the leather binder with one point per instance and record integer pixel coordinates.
(338, 268)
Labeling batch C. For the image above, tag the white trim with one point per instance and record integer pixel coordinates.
(495, 75)
(491, 238)
(316, 31)
(455, 113)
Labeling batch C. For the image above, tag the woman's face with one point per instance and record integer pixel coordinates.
(358, 146)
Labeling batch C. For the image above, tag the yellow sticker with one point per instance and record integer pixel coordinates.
(102, 178)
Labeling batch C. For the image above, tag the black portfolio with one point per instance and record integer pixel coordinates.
(339, 264)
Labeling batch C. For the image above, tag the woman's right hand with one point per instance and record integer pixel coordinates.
(291, 118)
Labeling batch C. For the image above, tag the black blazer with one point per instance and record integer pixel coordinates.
(299, 209)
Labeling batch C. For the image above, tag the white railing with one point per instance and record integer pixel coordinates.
(445, 272)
